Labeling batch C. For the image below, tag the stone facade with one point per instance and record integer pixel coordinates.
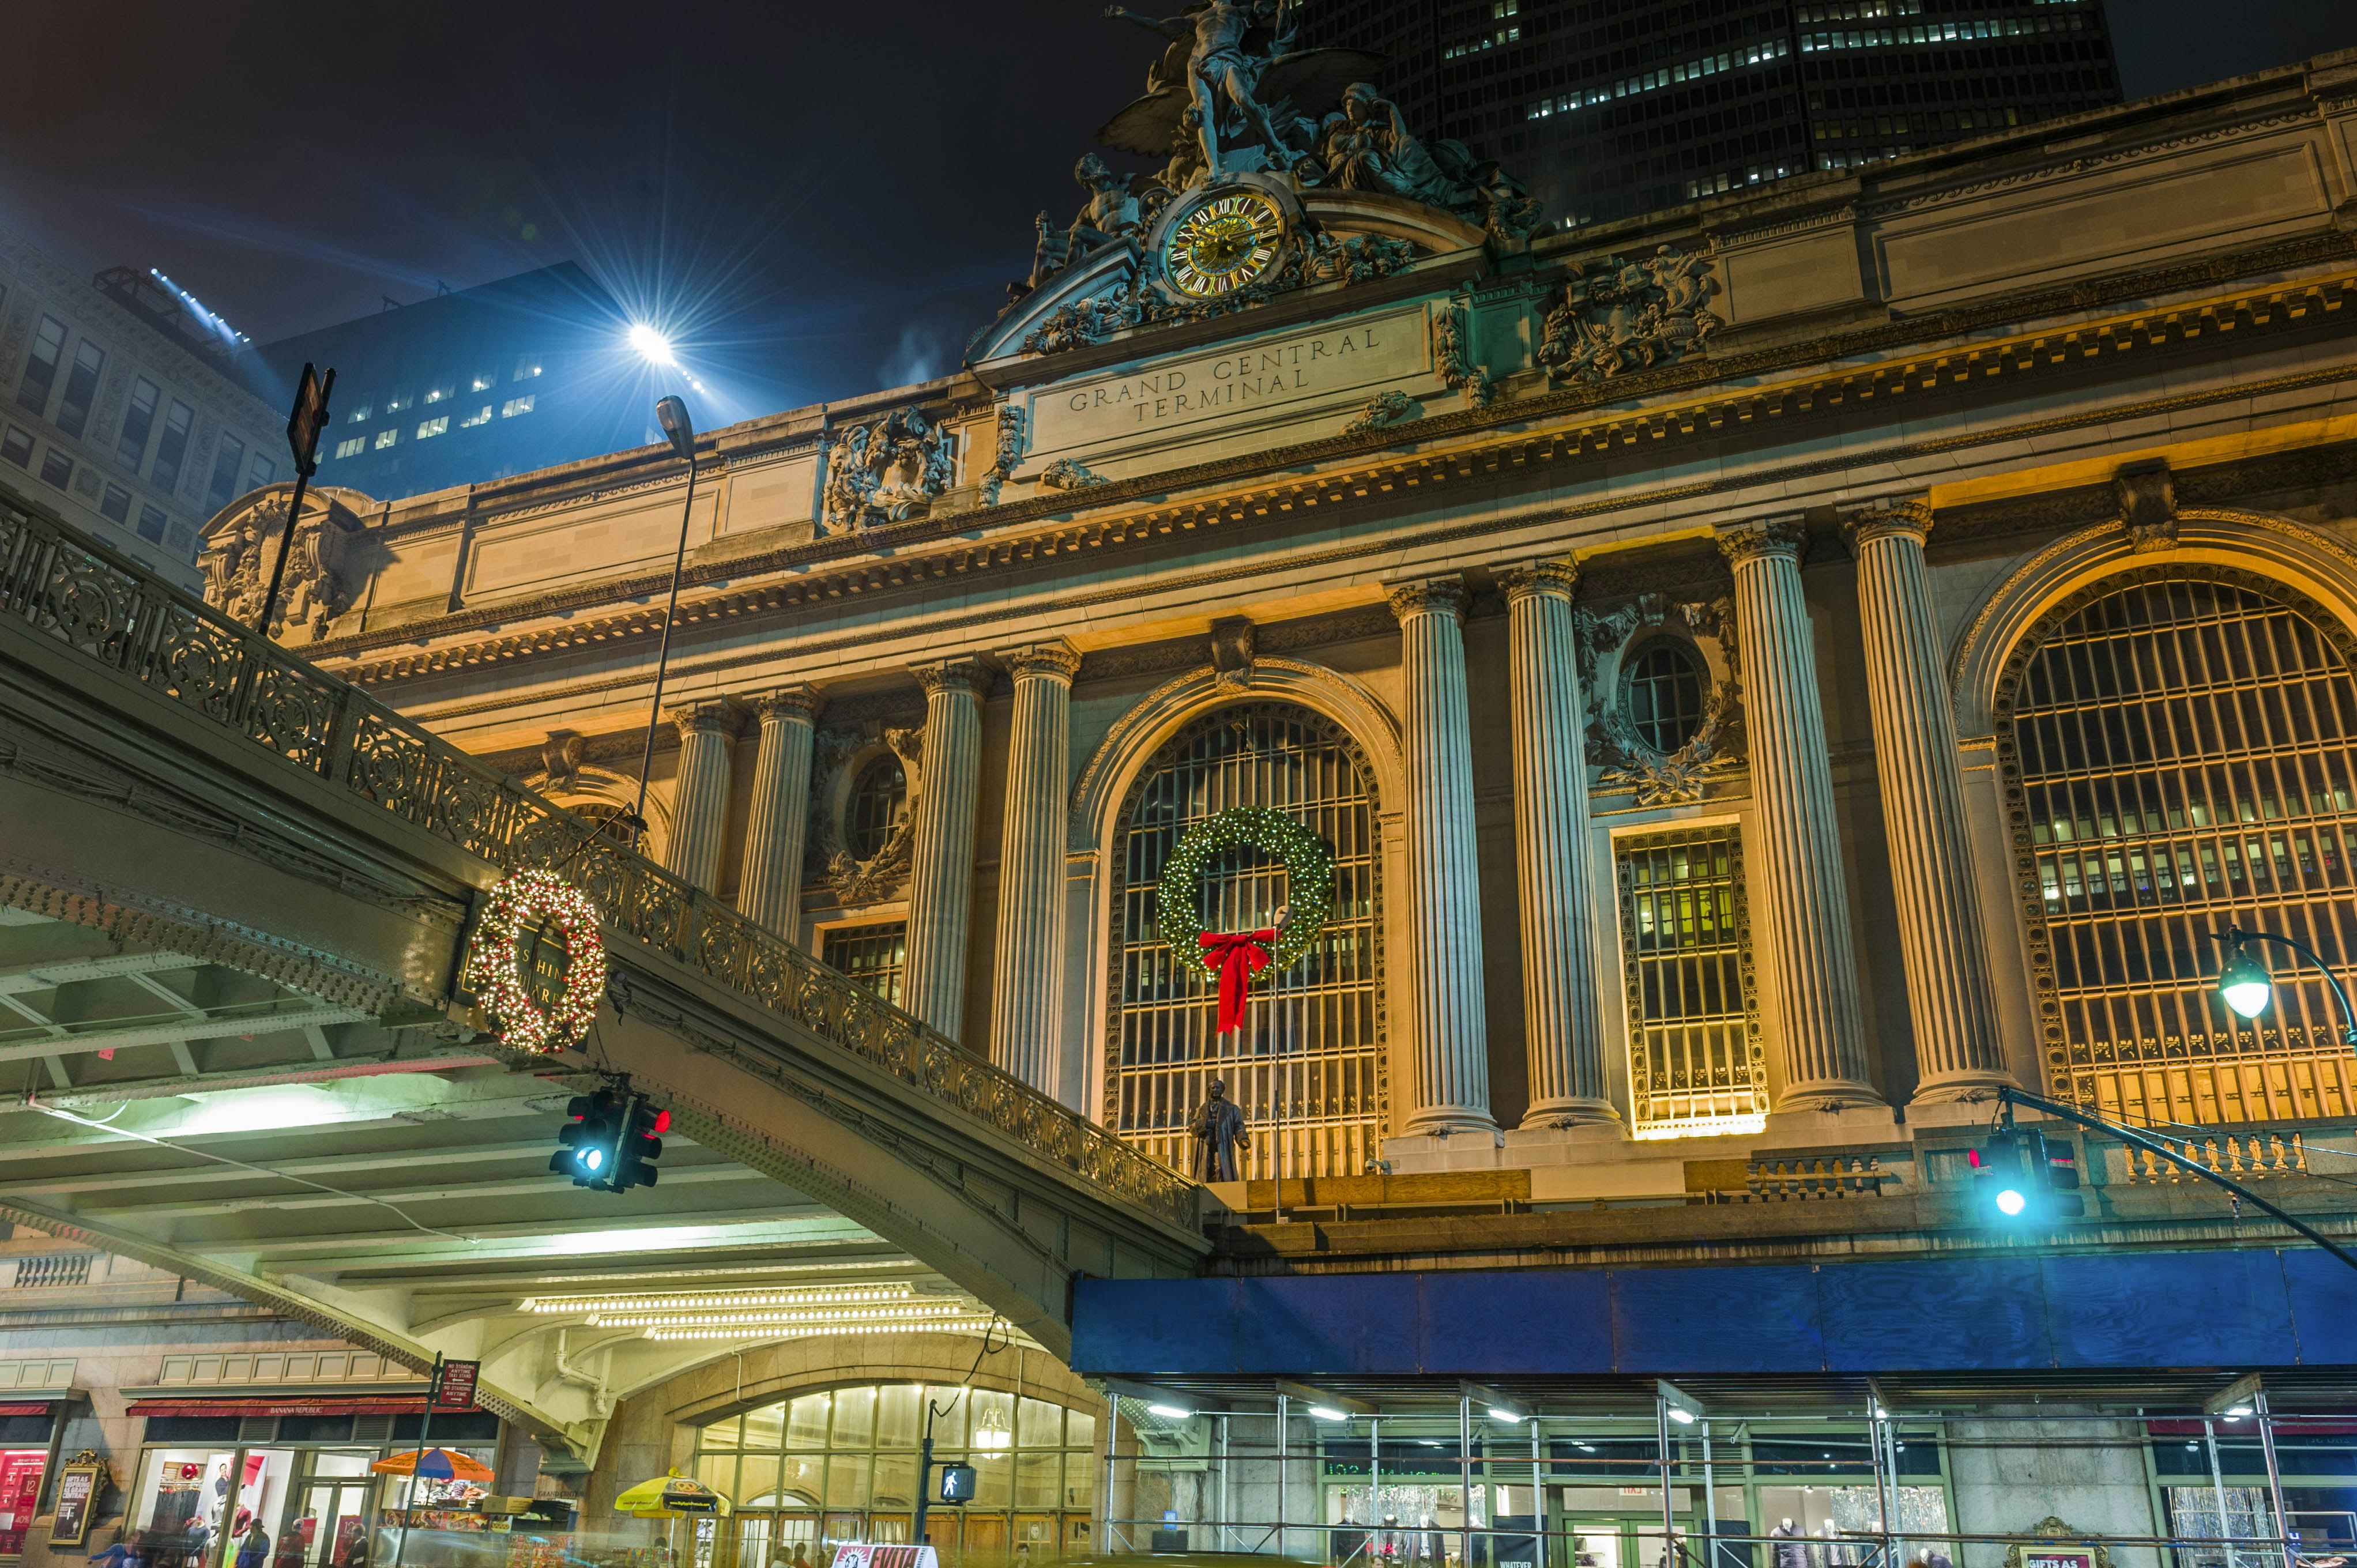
(1470, 593)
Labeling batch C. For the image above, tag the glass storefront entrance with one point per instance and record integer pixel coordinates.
(841, 1465)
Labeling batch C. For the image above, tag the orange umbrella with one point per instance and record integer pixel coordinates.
(434, 1464)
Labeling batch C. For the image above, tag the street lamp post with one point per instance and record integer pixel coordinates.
(680, 431)
(2245, 986)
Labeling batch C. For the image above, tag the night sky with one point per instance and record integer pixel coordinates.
(818, 199)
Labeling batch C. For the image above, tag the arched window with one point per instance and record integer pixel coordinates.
(2180, 749)
(878, 798)
(841, 1465)
(1306, 1067)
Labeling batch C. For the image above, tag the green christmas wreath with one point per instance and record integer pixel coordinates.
(1308, 878)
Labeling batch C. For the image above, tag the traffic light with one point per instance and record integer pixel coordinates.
(1999, 1194)
(2022, 1177)
(2054, 1172)
(639, 1144)
(586, 1146)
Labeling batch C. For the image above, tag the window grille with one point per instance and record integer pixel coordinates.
(2177, 749)
(1308, 1067)
(1697, 1065)
(873, 955)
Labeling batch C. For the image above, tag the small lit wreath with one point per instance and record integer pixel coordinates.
(1308, 878)
(520, 907)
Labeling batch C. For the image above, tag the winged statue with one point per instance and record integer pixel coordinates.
(1230, 82)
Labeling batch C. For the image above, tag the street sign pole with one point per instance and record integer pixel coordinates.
(308, 417)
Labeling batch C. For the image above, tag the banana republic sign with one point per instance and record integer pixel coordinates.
(1235, 385)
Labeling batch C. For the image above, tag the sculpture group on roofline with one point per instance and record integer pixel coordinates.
(1231, 95)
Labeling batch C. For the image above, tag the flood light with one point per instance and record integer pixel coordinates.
(1327, 1412)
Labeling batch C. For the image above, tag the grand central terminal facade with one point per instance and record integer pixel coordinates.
(1767, 675)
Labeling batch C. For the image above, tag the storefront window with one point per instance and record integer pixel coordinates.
(843, 1466)
(225, 1504)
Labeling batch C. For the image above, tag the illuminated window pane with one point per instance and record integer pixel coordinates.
(806, 1421)
(1696, 1064)
(875, 956)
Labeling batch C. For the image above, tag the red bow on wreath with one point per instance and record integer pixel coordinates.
(1237, 956)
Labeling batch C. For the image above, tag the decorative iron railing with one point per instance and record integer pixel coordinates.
(86, 598)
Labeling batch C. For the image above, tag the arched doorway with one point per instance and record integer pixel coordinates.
(2179, 747)
(1308, 1067)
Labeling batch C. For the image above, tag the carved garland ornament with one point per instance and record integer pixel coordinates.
(526, 908)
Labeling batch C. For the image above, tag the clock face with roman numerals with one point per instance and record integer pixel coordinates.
(1224, 245)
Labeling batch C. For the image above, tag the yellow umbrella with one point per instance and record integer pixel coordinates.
(671, 1495)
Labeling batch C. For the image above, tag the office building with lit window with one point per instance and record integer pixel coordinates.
(1612, 108)
(121, 409)
(470, 385)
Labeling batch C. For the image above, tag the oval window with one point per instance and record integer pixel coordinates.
(1666, 694)
(878, 798)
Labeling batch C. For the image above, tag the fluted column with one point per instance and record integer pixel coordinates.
(941, 866)
(1560, 1019)
(1798, 897)
(770, 888)
(1452, 1038)
(1024, 990)
(699, 797)
(1949, 996)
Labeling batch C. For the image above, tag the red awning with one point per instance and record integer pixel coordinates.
(27, 1407)
(392, 1404)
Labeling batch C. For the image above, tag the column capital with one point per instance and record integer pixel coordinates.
(789, 704)
(1763, 540)
(962, 673)
(1528, 579)
(1893, 517)
(713, 716)
(1055, 659)
(1426, 596)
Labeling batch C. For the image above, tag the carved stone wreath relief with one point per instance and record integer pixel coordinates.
(1606, 644)
(838, 758)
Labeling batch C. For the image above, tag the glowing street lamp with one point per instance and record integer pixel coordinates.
(652, 346)
(2244, 985)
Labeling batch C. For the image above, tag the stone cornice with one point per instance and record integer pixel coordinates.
(1545, 426)
(982, 622)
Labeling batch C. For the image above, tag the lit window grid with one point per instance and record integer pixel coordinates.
(1944, 32)
(2182, 750)
(855, 1450)
(875, 956)
(1767, 49)
(1306, 1069)
(878, 799)
(1698, 1066)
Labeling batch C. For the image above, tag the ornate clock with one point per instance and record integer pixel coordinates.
(1226, 242)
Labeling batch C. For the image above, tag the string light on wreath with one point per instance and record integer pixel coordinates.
(524, 906)
(1235, 957)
